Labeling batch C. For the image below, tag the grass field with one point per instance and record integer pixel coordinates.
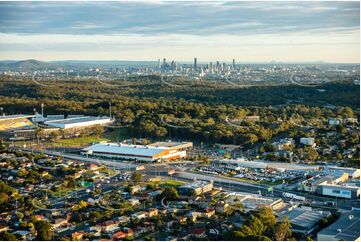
(79, 141)
(111, 136)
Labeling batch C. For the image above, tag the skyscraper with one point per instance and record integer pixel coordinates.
(195, 64)
(164, 63)
(234, 65)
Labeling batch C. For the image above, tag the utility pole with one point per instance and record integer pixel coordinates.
(110, 110)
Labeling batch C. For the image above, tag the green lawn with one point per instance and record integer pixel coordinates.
(112, 136)
(171, 183)
(79, 141)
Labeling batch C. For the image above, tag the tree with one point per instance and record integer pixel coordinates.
(256, 225)
(43, 230)
(136, 177)
(257, 238)
(98, 130)
(311, 154)
(6, 236)
(282, 230)
(4, 198)
(55, 135)
(265, 214)
(170, 193)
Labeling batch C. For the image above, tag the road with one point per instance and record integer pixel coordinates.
(183, 174)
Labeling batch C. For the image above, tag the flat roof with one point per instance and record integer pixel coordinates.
(15, 116)
(251, 199)
(349, 188)
(75, 120)
(124, 149)
(195, 184)
(346, 228)
(318, 180)
(306, 218)
(170, 143)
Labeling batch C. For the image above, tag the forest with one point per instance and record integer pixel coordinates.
(205, 112)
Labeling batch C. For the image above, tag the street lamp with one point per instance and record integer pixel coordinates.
(42, 111)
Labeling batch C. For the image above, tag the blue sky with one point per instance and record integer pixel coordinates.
(247, 31)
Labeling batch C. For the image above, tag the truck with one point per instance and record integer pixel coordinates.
(140, 168)
(171, 172)
(293, 196)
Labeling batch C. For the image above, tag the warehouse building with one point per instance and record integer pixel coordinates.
(135, 152)
(305, 220)
(346, 228)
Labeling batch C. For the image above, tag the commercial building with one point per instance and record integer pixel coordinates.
(253, 202)
(283, 144)
(334, 121)
(135, 152)
(351, 192)
(305, 220)
(311, 184)
(196, 188)
(339, 171)
(346, 228)
(78, 122)
(308, 141)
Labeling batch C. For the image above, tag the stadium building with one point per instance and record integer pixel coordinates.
(152, 153)
(78, 122)
(16, 127)
(28, 127)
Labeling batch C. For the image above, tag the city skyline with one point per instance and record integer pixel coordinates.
(210, 31)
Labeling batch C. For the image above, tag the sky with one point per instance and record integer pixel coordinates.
(245, 31)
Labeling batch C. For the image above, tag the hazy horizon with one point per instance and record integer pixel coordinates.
(250, 32)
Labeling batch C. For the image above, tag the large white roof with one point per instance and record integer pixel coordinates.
(124, 149)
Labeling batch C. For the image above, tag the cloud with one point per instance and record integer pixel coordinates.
(173, 17)
(248, 30)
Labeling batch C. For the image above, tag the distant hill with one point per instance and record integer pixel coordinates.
(24, 65)
(32, 65)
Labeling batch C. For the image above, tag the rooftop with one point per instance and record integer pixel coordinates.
(8, 117)
(315, 181)
(125, 149)
(195, 184)
(306, 218)
(350, 188)
(75, 120)
(346, 228)
(170, 144)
